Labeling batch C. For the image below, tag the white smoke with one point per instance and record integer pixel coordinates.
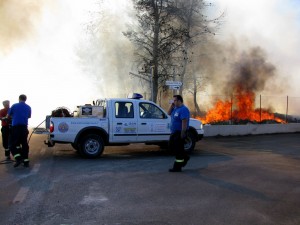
(274, 27)
(40, 59)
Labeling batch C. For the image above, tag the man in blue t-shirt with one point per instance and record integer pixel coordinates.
(20, 113)
(180, 118)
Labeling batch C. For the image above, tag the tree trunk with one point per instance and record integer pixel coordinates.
(197, 108)
(154, 65)
(186, 47)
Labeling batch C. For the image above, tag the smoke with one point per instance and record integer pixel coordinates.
(38, 48)
(258, 45)
(18, 22)
(256, 49)
(64, 53)
(252, 72)
(107, 57)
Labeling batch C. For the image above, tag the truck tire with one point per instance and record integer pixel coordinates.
(190, 142)
(91, 146)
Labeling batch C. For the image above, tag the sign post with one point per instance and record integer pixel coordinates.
(173, 85)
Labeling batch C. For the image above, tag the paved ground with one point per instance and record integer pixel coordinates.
(229, 180)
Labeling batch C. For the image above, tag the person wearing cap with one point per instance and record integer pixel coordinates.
(20, 113)
(5, 129)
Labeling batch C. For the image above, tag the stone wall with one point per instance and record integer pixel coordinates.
(250, 129)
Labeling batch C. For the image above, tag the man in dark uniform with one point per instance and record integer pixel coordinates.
(20, 113)
(5, 129)
(180, 118)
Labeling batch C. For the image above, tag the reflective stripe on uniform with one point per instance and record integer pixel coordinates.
(179, 160)
(17, 155)
(26, 160)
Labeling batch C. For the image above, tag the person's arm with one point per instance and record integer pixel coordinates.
(2, 116)
(9, 113)
(172, 106)
(184, 123)
(29, 116)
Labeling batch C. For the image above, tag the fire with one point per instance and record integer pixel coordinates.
(239, 108)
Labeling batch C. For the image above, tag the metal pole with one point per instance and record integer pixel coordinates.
(151, 81)
(260, 107)
(231, 110)
(174, 91)
(287, 109)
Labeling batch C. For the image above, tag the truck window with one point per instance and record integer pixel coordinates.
(150, 111)
(124, 110)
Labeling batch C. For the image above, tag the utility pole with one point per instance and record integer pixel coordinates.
(151, 83)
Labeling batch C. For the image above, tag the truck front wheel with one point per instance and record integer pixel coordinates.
(91, 146)
(190, 141)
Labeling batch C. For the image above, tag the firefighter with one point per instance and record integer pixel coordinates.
(180, 117)
(20, 113)
(5, 129)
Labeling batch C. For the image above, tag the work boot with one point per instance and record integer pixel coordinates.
(26, 163)
(18, 162)
(176, 168)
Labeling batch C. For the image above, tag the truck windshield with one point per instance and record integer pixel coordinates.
(150, 111)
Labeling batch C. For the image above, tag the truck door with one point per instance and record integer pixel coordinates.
(153, 123)
(124, 122)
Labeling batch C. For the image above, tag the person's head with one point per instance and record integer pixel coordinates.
(22, 98)
(5, 104)
(178, 100)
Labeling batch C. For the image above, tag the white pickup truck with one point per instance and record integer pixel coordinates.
(116, 121)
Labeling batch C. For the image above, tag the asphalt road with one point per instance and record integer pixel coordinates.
(229, 180)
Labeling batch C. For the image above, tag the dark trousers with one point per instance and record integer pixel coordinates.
(19, 136)
(177, 145)
(5, 130)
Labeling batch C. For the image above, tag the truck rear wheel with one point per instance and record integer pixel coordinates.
(91, 146)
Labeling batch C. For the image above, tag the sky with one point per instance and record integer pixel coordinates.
(47, 50)
(273, 25)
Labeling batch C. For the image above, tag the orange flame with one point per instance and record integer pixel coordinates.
(240, 108)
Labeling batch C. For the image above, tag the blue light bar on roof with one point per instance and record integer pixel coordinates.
(134, 96)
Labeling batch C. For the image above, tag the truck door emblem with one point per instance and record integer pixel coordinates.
(63, 127)
(118, 129)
